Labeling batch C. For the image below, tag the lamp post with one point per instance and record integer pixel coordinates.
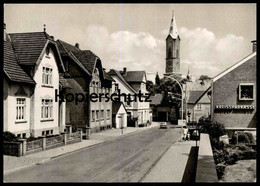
(181, 95)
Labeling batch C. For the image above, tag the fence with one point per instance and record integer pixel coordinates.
(73, 137)
(34, 146)
(22, 147)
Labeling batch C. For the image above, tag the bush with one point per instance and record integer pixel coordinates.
(9, 136)
(248, 154)
(220, 170)
(31, 138)
(250, 137)
(214, 129)
(243, 137)
(232, 158)
(220, 156)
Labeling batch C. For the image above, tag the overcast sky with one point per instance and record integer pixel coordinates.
(213, 36)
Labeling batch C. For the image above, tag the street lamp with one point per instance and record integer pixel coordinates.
(181, 95)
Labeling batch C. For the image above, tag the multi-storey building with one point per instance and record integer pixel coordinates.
(130, 83)
(32, 73)
(86, 75)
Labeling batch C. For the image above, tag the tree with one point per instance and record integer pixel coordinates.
(157, 79)
(171, 92)
(150, 87)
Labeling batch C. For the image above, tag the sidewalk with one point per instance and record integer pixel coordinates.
(12, 163)
(171, 166)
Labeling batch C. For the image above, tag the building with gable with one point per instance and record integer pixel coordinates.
(131, 82)
(119, 115)
(33, 71)
(198, 105)
(234, 94)
(85, 74)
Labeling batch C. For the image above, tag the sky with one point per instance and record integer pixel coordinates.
(213, 36)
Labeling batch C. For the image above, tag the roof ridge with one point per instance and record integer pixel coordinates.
(243, 60)
(61, 41)
(123, 79)
(25, 33)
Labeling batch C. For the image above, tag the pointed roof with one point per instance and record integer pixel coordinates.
(114, 72)
(11, 67)
(173, 32)
(134, 76)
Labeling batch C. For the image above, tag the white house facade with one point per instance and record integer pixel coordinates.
(33, 69)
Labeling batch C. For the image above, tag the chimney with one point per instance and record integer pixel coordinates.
(254, 45)
(4, 32)
(77, 45)
(124, 71)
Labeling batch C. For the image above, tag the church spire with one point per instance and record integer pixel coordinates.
(173, 32)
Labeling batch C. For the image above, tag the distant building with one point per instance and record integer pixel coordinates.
(198, 105)
(33, 71)
(161, 112)
(234, 94)
(119, 115)
(198, 101)
(131, 82)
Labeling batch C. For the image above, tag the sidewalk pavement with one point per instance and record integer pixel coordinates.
(12, 163)
(171, 166)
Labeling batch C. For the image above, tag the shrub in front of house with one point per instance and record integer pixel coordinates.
(213, 128)
(250, 137)
(220, 170)
(243, 137)
(9, 136)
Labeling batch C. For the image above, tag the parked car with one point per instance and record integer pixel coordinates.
(163, 125)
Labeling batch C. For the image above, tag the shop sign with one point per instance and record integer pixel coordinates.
(234, 107)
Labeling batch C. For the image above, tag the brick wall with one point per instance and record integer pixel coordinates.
(226, 92)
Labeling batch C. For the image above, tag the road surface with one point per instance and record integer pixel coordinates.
(126, 159)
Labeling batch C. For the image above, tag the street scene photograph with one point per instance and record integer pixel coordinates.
(129, 93)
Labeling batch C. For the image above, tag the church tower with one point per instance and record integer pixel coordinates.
(173, 50)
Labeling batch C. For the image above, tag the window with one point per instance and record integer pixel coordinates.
(24, 135)
(116, 87)
(198, 107)
(46, 76)
(93, 115)
(108, 114)
(93, 84)
(46, 109)
(18, 135)
(97, 85)
(128, 102)
(102, 114)
(246, 91)
(51, 131)
(97, 115)
(47, 51)
(47, 132)
(20, 109)
(43, 133)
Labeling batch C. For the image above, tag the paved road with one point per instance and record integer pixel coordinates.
(126, 159)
